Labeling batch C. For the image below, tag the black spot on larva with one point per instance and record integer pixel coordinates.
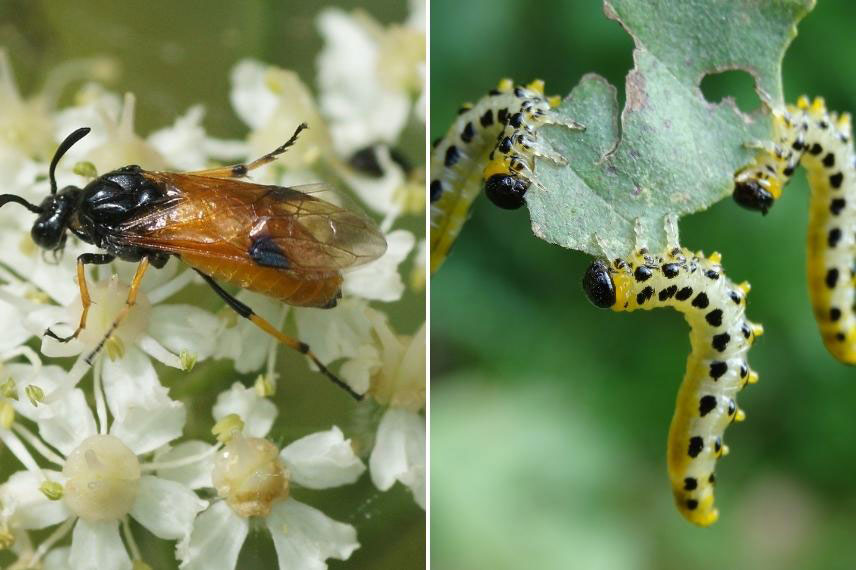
(840, 336)
(668, 292)
(701, 301)
(717, 444)
(436, 190)
(833, 237)
(468, 133)
(711, 274)
(692, 504)
(744, 370)
(823, 125)
(502, 116)
(712, 479)
(717, 369)
(837, 205)
(798, 144)
(720, 341)
(714, 318)
(829, 160)
(690, 484)
(684, 294)
(486, 120)
(736, 297)
(706, 404)
(671, 270)
(494, 92)
(642, 273)
(746, 330)
(696, 445)
(505, 146)
(834, 314)
(836, 179)
(519, 93)
(832, 278)
(453, 155)
(815, 149)
(732, 407)
(516, 120)
(788, 171)
(436, 142)
(644, 295)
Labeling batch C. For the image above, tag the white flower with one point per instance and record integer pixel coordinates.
(102, 479)
(254, 479)
(28, 124)
(380, 280)
(367, 75)
(272, 102)
(176, 335)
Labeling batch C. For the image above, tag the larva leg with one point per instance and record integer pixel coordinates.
(821, 141)
(491, 144)
(720, 337)
(292, 343)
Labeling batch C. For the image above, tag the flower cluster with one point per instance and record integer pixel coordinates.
(86, 449)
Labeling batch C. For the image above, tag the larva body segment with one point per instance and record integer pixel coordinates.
(720, 337)
(821, 141)
(491, 144)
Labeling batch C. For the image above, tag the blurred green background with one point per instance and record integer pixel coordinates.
(176, 54)
(549, 416)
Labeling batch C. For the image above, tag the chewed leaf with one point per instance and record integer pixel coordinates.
(670, 150)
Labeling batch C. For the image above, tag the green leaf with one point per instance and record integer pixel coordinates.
(670, 151)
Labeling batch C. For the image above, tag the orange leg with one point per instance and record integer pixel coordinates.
(241, 170)
(288, 341)
(83, 260)
(129, 302)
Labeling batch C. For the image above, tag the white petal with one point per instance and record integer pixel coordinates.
(166, 508)
(193, 475)
(30, 508)
(14, 333)
(216, 541)
(380, 280)
(399, 453)
(335, 333)
(51, 379)
(305, 537)
(252, 100)
(145, 418)
(244, 342)
(257, 412)
(322, 460)
(57, 559)
(361, 111)
(97, 546)
(184, 328)
(68, 423)
(183, 143)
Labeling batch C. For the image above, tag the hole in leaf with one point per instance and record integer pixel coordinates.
(736, 83)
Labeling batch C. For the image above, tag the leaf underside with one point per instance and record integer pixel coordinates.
(671, 151)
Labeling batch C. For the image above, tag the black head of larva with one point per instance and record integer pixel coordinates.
(506, 191)
(598, 285)
(752, 196)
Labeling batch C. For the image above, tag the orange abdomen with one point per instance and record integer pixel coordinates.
(320, 289)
